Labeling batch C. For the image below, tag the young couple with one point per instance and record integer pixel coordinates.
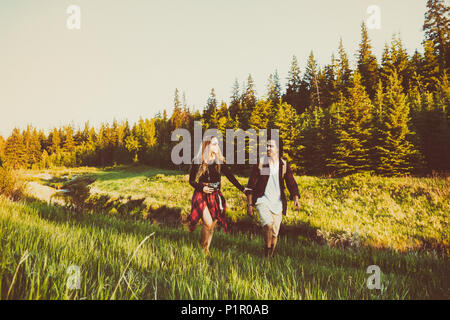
(265, 191)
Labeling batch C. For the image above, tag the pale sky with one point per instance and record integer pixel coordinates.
(129, 56)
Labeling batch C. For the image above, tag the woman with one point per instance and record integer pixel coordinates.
(208, 202)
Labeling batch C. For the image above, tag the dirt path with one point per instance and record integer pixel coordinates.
(45, 193)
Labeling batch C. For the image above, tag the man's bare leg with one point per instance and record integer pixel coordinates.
(268, 237)
(274, 244)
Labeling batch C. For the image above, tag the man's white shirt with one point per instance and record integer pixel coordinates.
(272, 194)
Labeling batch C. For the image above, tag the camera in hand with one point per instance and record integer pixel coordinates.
(214, 185)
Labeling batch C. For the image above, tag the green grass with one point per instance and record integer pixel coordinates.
(170, 264)
(399, 213)
(402, 226)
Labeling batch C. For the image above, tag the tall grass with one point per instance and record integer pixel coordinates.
(398, 213)
(170, 265)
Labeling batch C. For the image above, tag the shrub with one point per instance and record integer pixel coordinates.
(10, 186)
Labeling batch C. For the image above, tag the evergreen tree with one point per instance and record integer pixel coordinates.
(176, 120)
(311, 142)
(344, 72)
(395, 59)
(55, 141)
(248, 103)
(210, 109)
(396, 151)
(287, 121)
(35, 149)
(352, 150)
(436, 27)
(15, 152)
(261, 115)
(367, 63)
(293, 94)
(69, 143)
(429, 70)
(235, 100)
(311, 80)
(274, 88)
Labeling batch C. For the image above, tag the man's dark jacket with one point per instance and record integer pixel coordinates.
(258, 182)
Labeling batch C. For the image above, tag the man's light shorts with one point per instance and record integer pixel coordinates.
(266, 216)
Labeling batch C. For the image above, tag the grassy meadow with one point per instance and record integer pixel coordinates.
(344, 225)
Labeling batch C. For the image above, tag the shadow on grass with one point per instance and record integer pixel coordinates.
(237, 243)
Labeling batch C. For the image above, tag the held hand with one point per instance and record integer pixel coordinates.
(207, 189)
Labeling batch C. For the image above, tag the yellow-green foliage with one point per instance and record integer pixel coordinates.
(398, 213)
(170, 264)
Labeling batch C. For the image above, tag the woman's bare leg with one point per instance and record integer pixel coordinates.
(207, 230)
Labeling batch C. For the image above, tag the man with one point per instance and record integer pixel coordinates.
(265, 190)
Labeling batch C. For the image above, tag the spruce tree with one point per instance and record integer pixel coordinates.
(311, 79)
(35, 150)
(287, 121)
(235, 100)
(430, 66)
(248, 103)
(367, 63)
(55, 141)
(343, 73)
(352, 150)
(293, 94)
(176, 120)
(69, 143)
(436, 27)
(15, 151)
(396, 152)
(274, 88)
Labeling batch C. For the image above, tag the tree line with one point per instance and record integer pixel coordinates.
(389, 117)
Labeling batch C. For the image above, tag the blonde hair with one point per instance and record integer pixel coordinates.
(203, 154)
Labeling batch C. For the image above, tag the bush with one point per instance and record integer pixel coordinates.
(10, 186)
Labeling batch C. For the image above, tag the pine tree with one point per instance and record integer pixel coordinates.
(311, 142)
(274, 88)
(235, 100)
(55, 141)
(176, 120)
(248, 103)
(311, 79)
(293, 94)
(35, 149)
(69, 143)
(396, 59)
(367, 63)
(352, 150)
(344, 72)
(210, 109)
(430, 66)
(15, 153)
(436, 27)
(261, 115)
(396, 151)
(330, 94)
(377, 127)
(287, 121)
